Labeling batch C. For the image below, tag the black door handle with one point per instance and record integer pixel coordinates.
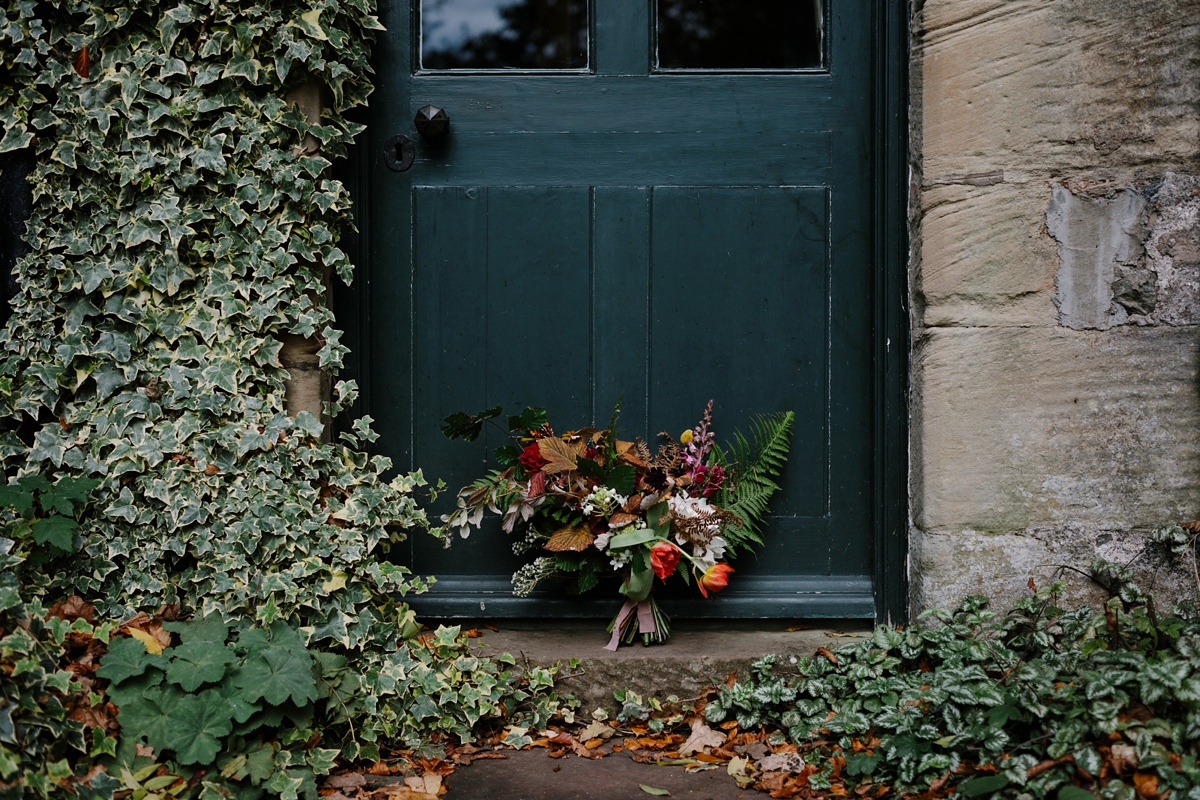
(432, 122)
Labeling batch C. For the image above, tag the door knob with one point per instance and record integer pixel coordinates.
(432, 122)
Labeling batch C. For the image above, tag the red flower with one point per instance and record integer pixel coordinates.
(663, 558)
(715, 578)
(531, 458)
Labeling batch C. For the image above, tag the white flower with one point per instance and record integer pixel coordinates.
(709, 556)
(621, 557)
(602, 540)
(682, 505)
(603, 501)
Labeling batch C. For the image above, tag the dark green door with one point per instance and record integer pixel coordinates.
(666, 203)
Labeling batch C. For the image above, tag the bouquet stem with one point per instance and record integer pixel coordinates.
(644, 617)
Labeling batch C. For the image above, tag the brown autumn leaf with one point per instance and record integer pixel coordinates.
(82, 62)
(560, 456)
(347, 780)
(1146, 784)
(575, 538)
(620, 519)
(644, 756)
(702, 739)
(821, 651)
(73, 608)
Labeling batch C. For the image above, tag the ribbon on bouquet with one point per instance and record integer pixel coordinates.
(645, 616)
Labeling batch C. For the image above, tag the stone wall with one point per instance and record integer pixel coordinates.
(1055, 271)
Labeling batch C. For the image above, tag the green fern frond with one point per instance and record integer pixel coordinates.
(751, 465)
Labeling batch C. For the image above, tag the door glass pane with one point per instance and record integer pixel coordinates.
(504, 34)
(739, 34)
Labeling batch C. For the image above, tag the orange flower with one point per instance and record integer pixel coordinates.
(715, 578)
(663, 558)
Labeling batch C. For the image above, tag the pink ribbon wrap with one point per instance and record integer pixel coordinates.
(645, 617)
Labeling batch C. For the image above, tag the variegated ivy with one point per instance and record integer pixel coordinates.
(176, 238)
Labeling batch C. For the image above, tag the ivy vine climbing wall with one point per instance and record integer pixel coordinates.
(180, 232)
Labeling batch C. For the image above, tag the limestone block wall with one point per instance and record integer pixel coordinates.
(1055, 213)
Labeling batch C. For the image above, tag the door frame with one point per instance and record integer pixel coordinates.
(356, 306)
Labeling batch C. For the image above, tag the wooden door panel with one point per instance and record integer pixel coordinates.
(545, 252)
(739, 299)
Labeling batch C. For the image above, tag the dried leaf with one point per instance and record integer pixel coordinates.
(821, 651)
(654, 791)
(560, 456)
(781, 762)
(348, 780)
(82, 63)
(149, 642)
(576, 538)
(702, 738)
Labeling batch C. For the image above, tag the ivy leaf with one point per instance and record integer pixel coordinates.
(197, 663)
(55, 529)
(127, 658)
(198, 722)
(276, 675)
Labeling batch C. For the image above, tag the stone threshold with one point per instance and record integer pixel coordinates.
(700, 653)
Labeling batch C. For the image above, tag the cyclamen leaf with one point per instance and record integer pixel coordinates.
(197, 663)
(988, 784)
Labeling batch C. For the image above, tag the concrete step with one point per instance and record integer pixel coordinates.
(700, 653)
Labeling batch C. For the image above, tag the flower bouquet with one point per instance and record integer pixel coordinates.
(590, 505)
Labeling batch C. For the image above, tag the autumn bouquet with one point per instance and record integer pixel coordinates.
(590, 505)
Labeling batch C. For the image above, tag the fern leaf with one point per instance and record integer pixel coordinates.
(752, 465)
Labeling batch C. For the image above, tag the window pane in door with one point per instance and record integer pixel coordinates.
(504, 34)
(739, 34)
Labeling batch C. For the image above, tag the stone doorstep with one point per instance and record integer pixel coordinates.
(700, 653)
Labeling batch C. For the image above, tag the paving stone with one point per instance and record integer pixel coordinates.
(531, 775)
(699, 653)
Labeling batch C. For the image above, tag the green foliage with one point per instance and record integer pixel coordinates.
(43, 513)
(181, 232)
(762, 458)
(41, 750)
(245, 702)
(975, 690)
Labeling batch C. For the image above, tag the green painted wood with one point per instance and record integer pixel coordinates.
(674, 237)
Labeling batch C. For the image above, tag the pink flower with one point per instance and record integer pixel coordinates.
(715, 578)
(663, 558)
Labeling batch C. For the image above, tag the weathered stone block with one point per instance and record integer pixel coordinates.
(951, 563)
(1022, 427)
(985, 257)
(1039, 88)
